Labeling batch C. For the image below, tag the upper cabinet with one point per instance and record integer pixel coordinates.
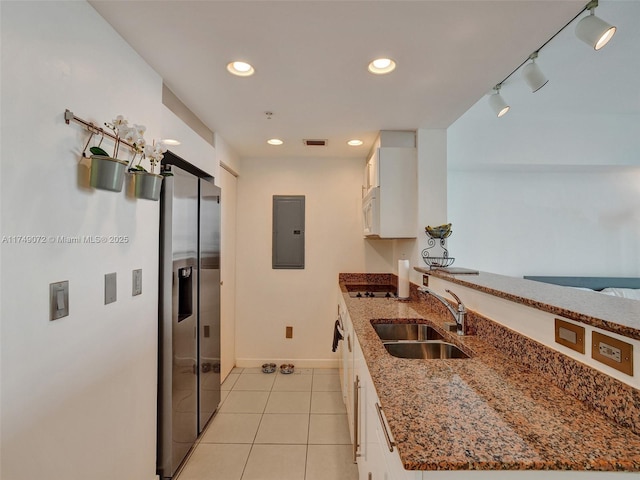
(390, 189)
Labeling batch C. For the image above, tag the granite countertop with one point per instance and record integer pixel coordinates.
(615, 314)
(483, 413)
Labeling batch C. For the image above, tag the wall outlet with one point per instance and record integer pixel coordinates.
(613, 352)
(425, 280)
(289, 332)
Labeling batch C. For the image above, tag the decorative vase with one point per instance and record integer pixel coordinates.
(147, 185)
(107, 173)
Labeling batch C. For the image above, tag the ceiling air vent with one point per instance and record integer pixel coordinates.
(315, 143)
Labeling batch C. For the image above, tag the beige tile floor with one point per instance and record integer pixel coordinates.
(276, 427)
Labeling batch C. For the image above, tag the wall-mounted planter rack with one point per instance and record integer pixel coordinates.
(93, 129)
(107, 173)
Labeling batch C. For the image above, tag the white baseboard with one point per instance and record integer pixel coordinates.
(299, 362)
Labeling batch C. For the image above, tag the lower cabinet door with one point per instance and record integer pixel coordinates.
(376, 468)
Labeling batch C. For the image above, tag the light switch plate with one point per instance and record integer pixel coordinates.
(110, 288)
(570, 335)
(58, 300)
(136, 282)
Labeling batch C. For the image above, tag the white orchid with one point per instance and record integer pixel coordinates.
(133, 135)
(155, 153)
(127, 134)
(119, 121)
(139, 129)
(122, 131)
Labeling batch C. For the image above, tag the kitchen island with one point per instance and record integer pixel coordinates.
(487, 412)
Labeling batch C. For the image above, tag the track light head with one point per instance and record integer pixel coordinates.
(533, 75)
(594, 31)
(497, 103)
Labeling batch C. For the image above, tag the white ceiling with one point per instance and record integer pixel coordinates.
(311, 57)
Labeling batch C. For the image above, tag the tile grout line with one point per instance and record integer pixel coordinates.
(306, 456)
(255, 435)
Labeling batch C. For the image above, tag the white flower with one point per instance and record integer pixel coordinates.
(159, 148)
(148, 150)
(119, 121)
(140, 129)
(128, 134)
(133, 135)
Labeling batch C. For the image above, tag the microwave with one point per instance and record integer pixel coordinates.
(371, 212)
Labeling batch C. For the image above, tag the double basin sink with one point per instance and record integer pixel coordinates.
(415, 340)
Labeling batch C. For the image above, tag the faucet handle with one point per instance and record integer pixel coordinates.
(460, 304)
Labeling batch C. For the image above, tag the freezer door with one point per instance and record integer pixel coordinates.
(209, 328)
(178, 391)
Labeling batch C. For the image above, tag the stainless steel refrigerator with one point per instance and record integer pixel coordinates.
(189, 310)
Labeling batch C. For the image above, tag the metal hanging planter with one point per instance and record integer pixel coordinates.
(107, 173)
(147, 185)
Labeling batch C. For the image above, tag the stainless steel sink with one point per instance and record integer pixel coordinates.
(405, 331)
(424, 350)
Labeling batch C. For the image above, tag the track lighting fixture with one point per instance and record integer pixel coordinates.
(497, 103)
(593, 30)
(533, 75)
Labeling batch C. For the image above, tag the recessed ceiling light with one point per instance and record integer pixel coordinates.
(355, 142)
(380, 66)
(242, 69)
(275, 141)
(170, 141)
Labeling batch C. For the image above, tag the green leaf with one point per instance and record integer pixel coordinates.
(98, 151)
(137, 168)
(166, 174)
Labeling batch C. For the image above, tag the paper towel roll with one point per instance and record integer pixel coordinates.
(403, 278)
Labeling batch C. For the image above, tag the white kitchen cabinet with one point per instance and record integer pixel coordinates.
(342, 313)
(376, 461)
(390, 191)
(371, 464)
(346, 369)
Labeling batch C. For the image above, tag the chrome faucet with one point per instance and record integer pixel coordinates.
(459, 315)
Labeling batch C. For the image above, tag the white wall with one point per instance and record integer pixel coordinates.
(578, 221)
(229, 193)
(193, 148)
(432, 198)
(226, 155)
(78, 394)
(269, 300)
(558, 197)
